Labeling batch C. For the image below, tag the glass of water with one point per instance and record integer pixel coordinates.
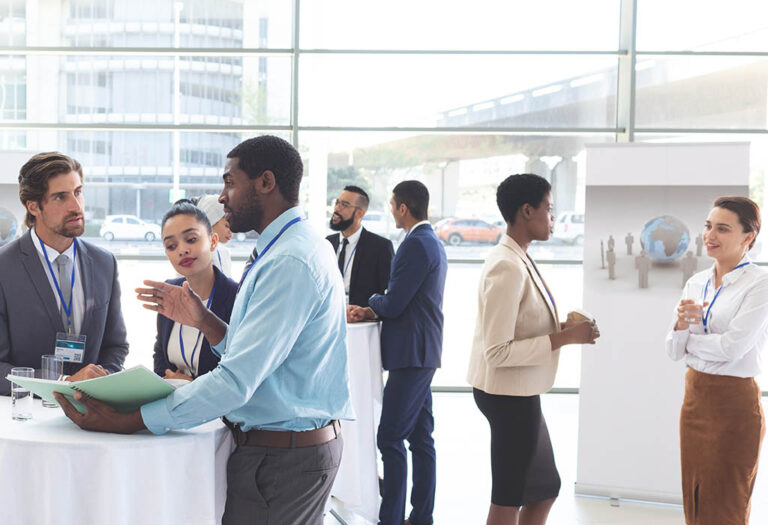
(52, 368)
(696, 310)
(21, 398)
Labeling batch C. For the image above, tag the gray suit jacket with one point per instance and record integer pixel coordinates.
(29, 319)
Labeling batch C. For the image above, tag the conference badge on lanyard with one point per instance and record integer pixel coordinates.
(70, 347)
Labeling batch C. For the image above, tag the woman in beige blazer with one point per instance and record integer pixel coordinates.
(514, 356)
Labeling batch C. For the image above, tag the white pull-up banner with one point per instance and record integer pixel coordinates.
(645, 208)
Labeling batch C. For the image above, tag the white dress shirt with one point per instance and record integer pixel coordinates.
(192, 345)
(737, 326)
(78, 296)
(349, 255)
(416, 226)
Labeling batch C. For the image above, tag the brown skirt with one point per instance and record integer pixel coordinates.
(721, 429)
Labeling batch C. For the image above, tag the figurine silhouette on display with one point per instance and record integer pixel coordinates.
(689, 265)
(611, 243)
(643, 265)
(602, 255)
(629, 240)
(699, 245)
(611, 262)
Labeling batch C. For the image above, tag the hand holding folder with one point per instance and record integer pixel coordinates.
(124, 391)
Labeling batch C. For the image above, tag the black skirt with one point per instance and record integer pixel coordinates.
(522, 461)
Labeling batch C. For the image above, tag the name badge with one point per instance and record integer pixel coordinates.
(70, 347)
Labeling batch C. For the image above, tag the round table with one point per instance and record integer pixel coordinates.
(54, 472)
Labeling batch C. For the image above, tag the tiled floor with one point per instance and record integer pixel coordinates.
(463, 490)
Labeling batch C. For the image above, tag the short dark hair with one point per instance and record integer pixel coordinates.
(268, 152)
(186, 207)
(35, 174)
(415, 196)
(518, 190)
(360, 191)
(747, 210)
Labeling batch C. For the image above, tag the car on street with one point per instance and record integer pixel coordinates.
(457, 231)
(569, 227)
(381, 223)
(122, 227)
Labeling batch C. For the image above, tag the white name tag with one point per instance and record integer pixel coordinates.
(70, 347)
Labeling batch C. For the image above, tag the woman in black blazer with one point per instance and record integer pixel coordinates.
(182, 352)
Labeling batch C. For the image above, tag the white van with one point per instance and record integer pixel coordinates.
(569, 227)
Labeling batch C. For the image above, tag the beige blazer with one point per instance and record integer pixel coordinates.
(511, 351)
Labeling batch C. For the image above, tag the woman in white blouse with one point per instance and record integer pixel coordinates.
(721, 328)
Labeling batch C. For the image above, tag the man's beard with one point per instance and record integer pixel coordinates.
(343, 223)
(247, 220)
(70, 231)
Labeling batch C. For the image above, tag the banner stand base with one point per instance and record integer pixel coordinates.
(627, 494)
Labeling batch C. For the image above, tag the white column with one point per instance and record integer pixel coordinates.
(538, 167)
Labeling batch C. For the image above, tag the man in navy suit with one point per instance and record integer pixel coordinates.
(411, 346)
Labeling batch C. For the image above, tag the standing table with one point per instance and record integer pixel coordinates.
(54, 472)
(357, 481)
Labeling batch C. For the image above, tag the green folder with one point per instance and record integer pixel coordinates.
(124, 391)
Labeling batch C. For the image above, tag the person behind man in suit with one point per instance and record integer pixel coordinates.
(54, 286)
(411, 347)
(364, 257)
(222, 258)
(190, 244)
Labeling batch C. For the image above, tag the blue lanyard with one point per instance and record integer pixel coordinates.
(67, 308)
(706, 317)
(349, 259)
(197, 341)
(275, 238)
(220, 266)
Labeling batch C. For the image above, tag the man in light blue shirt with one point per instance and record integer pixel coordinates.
(282, 380)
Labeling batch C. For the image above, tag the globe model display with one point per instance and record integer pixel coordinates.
(8, 226)
(665, 238)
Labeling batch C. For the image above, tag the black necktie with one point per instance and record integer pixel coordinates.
(251, 258)
(343, 255)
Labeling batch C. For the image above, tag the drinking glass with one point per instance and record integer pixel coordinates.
(21, 398)
(52, 368)
(695, 310)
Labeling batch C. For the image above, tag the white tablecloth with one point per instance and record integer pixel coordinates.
(53, 472)
(357, 482)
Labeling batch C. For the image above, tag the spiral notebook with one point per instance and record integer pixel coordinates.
(124, 391)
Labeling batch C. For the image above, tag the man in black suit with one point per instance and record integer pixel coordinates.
(364, 257)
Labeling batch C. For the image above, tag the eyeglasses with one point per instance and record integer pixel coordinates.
(344, 205)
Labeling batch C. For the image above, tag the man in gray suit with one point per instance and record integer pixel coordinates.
(55, 288)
